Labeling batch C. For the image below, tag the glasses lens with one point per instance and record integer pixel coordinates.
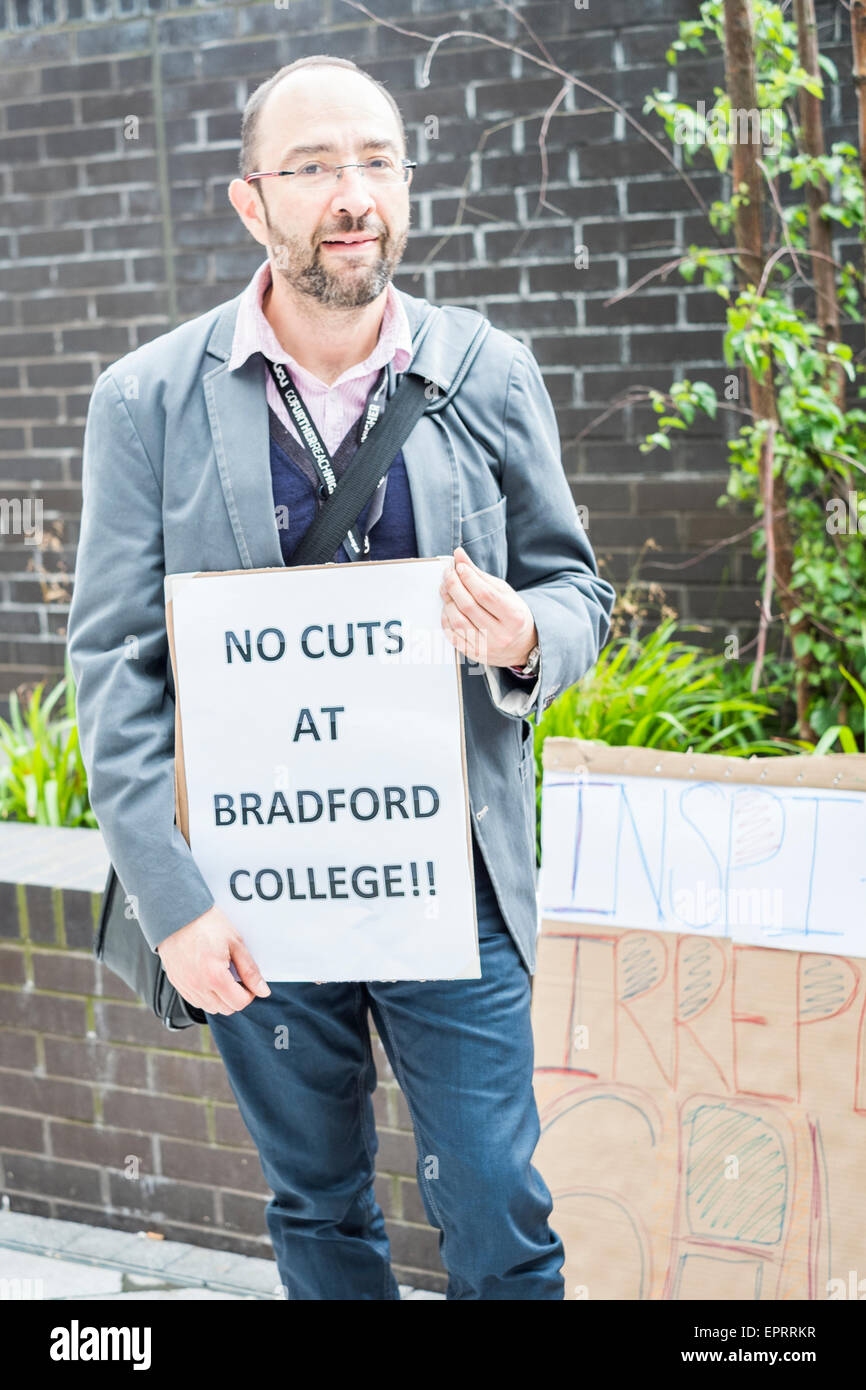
(315, 174)
(380, 169)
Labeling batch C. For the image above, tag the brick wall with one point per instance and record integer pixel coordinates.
(108, 241)
(108, 1118)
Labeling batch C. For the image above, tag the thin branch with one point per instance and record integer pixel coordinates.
(782, 227)
(643, 393)
(711, 549)
(527, 26)
(767, 454)
(663, 270)
(804, 251)
(542, 146)
(437, 41)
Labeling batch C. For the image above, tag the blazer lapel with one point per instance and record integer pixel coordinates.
(238, 411)
(431, 467)
(238, 414)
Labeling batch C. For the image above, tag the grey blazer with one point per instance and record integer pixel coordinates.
(177, 477)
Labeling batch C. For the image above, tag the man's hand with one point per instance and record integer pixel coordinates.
(484, 617)
(197, 960)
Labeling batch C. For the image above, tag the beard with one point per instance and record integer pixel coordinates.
(343, 287)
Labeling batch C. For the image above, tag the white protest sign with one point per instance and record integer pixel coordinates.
(768, 852)
(321, 767)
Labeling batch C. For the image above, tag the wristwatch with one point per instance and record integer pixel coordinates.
(532, 662)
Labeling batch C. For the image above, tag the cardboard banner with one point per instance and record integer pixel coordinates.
(320, 766)
(770, 851)
(702, 1093)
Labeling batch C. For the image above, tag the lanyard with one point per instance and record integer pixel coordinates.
(357, 546)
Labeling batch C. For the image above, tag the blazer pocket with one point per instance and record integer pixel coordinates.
(485, 522)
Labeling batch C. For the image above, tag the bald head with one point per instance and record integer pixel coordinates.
(313, 86)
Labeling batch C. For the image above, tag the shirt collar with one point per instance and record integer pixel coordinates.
(253, 333)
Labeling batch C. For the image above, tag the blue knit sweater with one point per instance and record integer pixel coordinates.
(298, 497)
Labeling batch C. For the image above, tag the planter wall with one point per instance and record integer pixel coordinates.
(108, 1118)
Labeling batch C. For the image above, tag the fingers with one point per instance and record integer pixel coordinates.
(217, 975)
(228, 991)
(475, 594)
(463, 610)
(474, 626)
(249, 972)
(469, 638)
(205, 1000)
(488, 620)
(221, 993)
(462, 557)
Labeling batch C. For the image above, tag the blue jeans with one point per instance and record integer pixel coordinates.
(301, 1068)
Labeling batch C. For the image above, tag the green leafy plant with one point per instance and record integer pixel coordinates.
(803, 442)
(841, 733)
(662, 692)
(42, 777)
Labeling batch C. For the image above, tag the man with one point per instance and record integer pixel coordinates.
(190, 458)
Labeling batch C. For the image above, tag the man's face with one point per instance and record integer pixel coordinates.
(349, 118)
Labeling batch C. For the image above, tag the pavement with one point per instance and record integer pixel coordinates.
(41, 1258)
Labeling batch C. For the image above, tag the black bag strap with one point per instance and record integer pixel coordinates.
(341, 510)
(357, 485)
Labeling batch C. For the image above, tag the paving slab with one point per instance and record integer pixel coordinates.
(26, 1276)
(66, 1260)
(172, 1296)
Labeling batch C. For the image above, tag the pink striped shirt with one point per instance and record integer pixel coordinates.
(334, 408)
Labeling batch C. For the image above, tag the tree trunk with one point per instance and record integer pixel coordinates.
(749, 239)
(820, 235)
(858, 43)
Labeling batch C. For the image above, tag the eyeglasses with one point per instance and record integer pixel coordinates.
(317, 174)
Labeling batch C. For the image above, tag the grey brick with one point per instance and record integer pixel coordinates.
(102, 1145)
(17, 1050)
(155, 1114)
(229, 1128)
(9, 921)
(82, 142)
(22, 1132)
(241, 1213)
(76, 77)
(164, 1199)
(233, 58)
(40, 914)
(98, 1062)
(12, 971)
(113, 39)
(63, 971)
(19, 149)
(238, 1169)
(39, 179)
(191, 1077)
(133, 168)
(37, 115)
(46, 1096)
(200, 29)
(656, 307)
(27, 49)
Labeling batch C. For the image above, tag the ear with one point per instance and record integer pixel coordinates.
(246, 204)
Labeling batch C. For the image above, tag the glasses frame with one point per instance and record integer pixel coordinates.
(405, 165)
